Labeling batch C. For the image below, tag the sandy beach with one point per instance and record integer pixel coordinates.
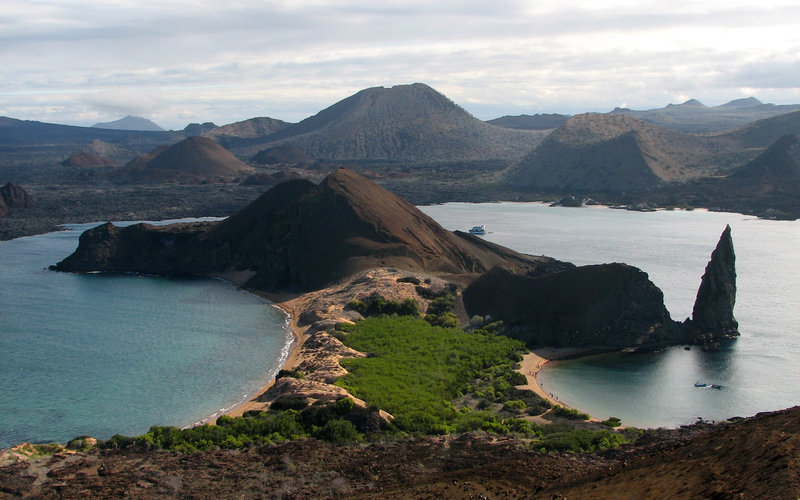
(290, 307)
(535, 360)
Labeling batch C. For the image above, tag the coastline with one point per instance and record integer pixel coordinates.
(533, 362)
(288, 306)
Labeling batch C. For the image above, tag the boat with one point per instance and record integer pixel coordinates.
(478, 229)
(700, 384)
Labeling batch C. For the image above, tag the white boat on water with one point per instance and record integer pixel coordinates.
(477, 230)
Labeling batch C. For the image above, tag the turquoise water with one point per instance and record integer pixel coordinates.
(758, 371)
(103, 354)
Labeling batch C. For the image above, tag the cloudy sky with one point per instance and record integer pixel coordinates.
(174, 61)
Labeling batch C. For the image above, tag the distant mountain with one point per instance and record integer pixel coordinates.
(15, 132)
(694, 117)
(405, 122)
(531, 122)
(130, 123)
(611, 153)
(195, 159)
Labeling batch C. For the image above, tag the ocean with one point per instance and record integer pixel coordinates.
(757, 371)
(103, 354)
(100, 354)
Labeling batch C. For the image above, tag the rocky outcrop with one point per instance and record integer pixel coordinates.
(607, 306)
(712, 316)
(611, 306)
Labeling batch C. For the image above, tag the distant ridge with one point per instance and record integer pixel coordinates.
(402, 123)
(693, 116)
(130, 123)
(608, 153)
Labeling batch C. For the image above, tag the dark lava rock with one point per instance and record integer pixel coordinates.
(712, 316)
(606, 306)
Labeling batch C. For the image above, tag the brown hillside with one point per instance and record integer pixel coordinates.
(612, 153)
(303, 235)
(404, 122)
(193, 159)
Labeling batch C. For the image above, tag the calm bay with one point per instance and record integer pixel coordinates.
(757, 371)
(102, 354)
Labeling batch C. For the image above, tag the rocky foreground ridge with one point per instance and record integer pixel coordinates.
(301, 236)
(752, 458)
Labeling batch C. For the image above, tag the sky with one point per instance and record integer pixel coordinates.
(176, 62)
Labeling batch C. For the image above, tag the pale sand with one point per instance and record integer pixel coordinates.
(290, 305)
(534, 361)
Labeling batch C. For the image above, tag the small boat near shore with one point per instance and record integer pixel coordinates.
(477, 229)
(699, 384)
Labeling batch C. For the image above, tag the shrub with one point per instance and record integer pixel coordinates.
(290, 402)
(377, 306)
(290, 373)
(612, 422)
(568, 413)
(339, 431)
(514, 405)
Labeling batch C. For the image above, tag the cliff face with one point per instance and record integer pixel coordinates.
(712, 316)
(607, 305)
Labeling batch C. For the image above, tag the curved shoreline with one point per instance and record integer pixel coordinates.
(533, 362)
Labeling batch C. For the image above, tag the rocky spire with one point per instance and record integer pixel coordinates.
(712, 316)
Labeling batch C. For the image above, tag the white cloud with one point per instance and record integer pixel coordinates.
(69, 61)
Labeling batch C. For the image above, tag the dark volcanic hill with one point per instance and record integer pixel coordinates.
(762, 133)
(303, 235)
(531, 122)
(130, 123)
(403, 123)
(694, 117)
(611, 153)
(194, 159)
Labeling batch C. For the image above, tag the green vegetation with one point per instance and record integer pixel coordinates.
(333, 422)
(290, 373)
(432, 379)
(440, 314)
(377, 306)
(416, 370)
(564, 437)
(612, 422)
(568, 413)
